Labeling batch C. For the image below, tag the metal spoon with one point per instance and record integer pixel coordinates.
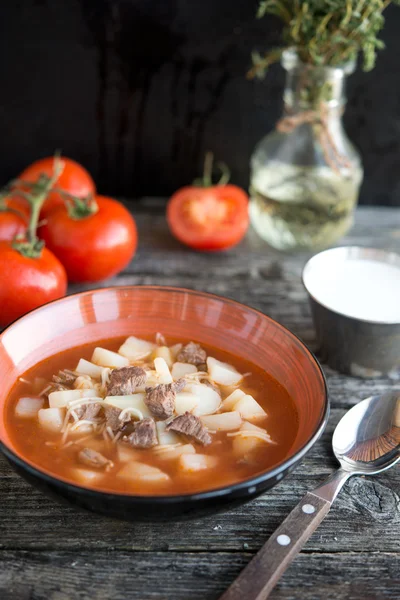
(366, 441)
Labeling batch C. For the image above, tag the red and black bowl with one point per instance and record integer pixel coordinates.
(179, 313)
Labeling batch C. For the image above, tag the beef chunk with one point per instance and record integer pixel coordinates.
(144, 434)
(193, 354)
(124, 381)
(88, 412)
(161, 400)
(91, 458)
(65, 377)
(190, 426)
(178, 385)
(112, 414)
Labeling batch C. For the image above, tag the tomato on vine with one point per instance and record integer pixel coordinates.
(14, 216)
(94, 238)
(73, 179)
(30, 275)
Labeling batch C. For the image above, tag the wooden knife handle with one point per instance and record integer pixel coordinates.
(262, 573)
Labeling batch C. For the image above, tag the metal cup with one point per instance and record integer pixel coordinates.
(350, 345)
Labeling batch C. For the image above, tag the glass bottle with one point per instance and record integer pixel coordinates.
(306, 175)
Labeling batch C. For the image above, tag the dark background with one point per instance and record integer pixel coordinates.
(137, 90)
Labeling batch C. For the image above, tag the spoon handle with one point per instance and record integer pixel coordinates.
(260, 576)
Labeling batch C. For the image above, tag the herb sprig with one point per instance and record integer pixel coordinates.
(325, 32)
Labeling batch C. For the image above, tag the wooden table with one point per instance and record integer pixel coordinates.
(50, 552)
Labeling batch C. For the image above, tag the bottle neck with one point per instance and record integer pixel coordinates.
(310, 88)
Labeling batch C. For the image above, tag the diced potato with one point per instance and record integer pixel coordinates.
(51, 419)
(175, 349)
(130, 401)
(191, 463)
(172, 453)
(63, 398)
(137, 471)
(166, 437)
(163, 372)
(127, 454)
(249, 408)
(232, 399)
(152, 379)
(227, 421)
(107, 358)
(87, 477)
(181, 369)
(165, 353)
(246, 426)
(242, 446)
(135, 349)
(28, 407)
(222, 373)
(185, 401)
(208, 399)
(85, 367)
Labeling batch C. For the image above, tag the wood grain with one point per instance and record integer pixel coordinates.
(354, 554)
(190, 576)
(263, 572)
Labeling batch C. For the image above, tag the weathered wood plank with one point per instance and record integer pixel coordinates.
(159, 253)
(200, 576)
(365, 515)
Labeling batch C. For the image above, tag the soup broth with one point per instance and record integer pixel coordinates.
(169, 427)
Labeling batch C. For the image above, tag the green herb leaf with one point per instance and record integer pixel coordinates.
(325, 32)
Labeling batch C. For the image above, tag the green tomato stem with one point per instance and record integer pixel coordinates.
(79, 208)
(225, 173)
(207, 173)
(30, 245)
(206, 180)
(4, 208)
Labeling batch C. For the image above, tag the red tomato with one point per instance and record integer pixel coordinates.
(74, 179)
(26, 283)
(94, 247)
(211, 218)
(12, 224)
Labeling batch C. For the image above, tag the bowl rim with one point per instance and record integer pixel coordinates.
(380, 253)
(226, 490)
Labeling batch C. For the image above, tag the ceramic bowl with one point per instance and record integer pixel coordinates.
(122, 311)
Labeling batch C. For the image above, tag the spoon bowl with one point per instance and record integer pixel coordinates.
(366, 440)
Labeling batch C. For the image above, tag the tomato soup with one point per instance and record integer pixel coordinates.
(151, 417)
